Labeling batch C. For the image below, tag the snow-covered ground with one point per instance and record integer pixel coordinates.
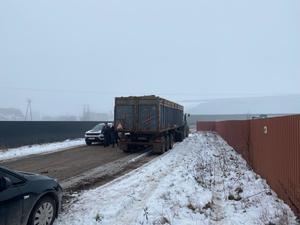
(39, 149)
(201, 181)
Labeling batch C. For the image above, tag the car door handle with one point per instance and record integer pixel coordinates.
(26, 197)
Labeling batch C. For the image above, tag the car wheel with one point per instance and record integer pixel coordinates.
(88, 142)
(44, 212)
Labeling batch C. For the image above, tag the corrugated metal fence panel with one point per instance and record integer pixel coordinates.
(271, 146)
(274, 148)
(19, 133)
(205, 126)
(236, 133)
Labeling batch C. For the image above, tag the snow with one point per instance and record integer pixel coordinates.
(201, 181)
(13, 153)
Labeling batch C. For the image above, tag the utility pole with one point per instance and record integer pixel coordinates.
(86, 113)
(28, 110)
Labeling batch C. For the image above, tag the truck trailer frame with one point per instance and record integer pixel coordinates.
(149, 121)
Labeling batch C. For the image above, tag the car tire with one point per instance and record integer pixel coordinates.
(88, 142)
(44, 211)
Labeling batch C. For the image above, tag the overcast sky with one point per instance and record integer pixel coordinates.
(66, 53)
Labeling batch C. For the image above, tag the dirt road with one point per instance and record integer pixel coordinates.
(81, 167)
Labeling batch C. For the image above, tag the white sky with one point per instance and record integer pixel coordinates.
(64, 54)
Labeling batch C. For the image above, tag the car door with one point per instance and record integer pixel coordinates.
(11, 202)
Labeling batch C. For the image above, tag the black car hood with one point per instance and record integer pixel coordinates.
(94, 131)
(33, 176)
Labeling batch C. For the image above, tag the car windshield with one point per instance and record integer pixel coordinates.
(5, 170)
(98, 127)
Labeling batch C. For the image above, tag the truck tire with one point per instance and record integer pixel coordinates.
(171, 143)
(167, 143)
(160, 147)
(124, 147)
(186, 132)
(179, 136)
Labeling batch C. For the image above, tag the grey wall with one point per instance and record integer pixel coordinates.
(19, 133)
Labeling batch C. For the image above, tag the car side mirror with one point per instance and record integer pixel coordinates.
(5, 183)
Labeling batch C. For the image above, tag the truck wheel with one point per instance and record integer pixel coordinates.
(179, 136)
(167, 142)
(171, 143)
(187, 133)
(124, 148)
(164, 145)
(160, 147)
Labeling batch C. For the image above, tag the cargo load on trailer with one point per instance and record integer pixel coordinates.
(149, 121)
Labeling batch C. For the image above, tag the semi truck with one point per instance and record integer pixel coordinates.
(149, 121)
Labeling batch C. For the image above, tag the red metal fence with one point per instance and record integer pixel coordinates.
(206, 126)
(237, 134)
(272, 147)
(275, 147)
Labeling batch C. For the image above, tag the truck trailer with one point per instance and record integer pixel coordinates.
(149, 121)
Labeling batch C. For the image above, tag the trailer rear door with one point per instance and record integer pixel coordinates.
(148, 118)
(124, 117)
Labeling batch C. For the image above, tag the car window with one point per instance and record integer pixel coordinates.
(98, 127)
(13, 179)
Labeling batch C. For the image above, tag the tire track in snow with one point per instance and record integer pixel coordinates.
(218, 189)
(132, 211)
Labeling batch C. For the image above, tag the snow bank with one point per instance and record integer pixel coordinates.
(38, 149)
(201, 181)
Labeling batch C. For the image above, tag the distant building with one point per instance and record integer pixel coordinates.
(11, 114)
(92, 116)
(261, 116)
(88, 115)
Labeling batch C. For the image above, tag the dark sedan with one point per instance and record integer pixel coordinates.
(28, 199)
